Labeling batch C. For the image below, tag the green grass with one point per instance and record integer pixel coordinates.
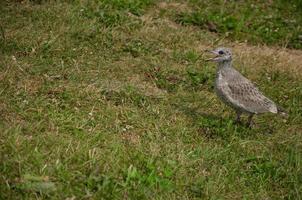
(113, 100)
(275, 22)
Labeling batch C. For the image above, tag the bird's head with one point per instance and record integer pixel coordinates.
(221, 55)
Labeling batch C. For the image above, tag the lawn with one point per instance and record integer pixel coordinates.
(113, 99)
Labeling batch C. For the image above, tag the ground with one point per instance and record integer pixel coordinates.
(114, 100)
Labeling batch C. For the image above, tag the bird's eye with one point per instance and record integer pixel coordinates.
(220, 52)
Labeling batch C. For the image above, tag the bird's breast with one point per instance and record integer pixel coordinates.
(220, 81)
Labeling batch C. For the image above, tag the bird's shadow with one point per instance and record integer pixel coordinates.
(213, 126)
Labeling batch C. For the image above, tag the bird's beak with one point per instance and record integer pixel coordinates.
(211, 52)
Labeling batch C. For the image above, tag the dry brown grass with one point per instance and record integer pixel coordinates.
(254, 57)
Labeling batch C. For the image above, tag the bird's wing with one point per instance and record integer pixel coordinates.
(241, 92)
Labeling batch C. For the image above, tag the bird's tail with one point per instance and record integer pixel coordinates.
(282, 111)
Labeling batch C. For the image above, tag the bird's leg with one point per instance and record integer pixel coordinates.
(238, 114)
(250, 121)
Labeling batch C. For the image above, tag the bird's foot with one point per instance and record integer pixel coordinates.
(237, 122)
(238, 119)
(250, 124)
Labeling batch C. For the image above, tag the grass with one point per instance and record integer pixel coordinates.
(113, 100)
(267, 22)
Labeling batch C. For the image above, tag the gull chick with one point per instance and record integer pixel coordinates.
(237, 91)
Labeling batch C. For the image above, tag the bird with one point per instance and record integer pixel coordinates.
(237, 91)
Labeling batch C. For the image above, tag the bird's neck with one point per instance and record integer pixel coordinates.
(224, 64)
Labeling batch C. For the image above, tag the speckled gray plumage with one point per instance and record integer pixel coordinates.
(239, 93)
